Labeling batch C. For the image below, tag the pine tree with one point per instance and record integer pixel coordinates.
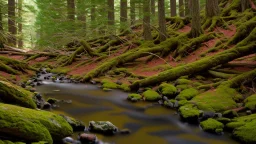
(12, 23)
(20, 41)
(111, 12)
(132, 11)
(146, 20)
(161, 20)
(212, 8)
(123, 14)
(181, 8)
(173, 8)
(196, 29)
(71, 9)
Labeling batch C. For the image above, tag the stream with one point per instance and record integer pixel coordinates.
(149, 124)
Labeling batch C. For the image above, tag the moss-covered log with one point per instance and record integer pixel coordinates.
(110, 43)
(198, 66)
(165, 47)
(6, 68)
(17, 65)
(13, 94)
(32, 125)
(220, 74)
(88, 49)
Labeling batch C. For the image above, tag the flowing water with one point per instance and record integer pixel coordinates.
(149, 125)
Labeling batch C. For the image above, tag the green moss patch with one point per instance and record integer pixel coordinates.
(151, 95)
(244, 128)
(183, 81)
(134, 97)
(168, 90)
(212, 125)
(187, 94)
(32, 125)
(223, 98)
(189, 112)
(250, 102)
(13, 94)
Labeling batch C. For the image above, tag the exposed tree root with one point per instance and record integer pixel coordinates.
(192, 45)
(211, 23)
(88, 49)
(235, 5)
(178, 22)
(142, 51)
(245, 47)
(209, 86)
(110, 43)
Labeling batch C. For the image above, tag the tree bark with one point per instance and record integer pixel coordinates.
(181, 8)
(1, 20)
(20, 41)
(245, 4)
(132, 11)
(212, 8)
(111, 12)
(146, 20)
(196, 29)
(81, 13)
(187, 11)
(71, 9)
(11, 23)
(173, 8)
(123, 14)
(161, 20)
(93, 11)
(153, 8)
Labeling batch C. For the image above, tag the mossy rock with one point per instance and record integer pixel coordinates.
(182, 87)
(151, 95)
(108, 84)
(134, 97)
(183, 81)
(223, 98)
(52, 100)
(182, 102)
(250, 102)
(212, 125)
(187, 94)
(168, 90)
(224, 120)
(199, 77)
(32, 125)
(12, 94)
(230, 114)
(244, 129)
(189, 112)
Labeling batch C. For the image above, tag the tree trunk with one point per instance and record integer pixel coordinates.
(161, 20)
(1, 20)
(153, 8)
(181, 8)
(93, 11)
(196, 29)
(212, 8)
(11, 22)
(123, 14)
(81, 13)
(20, 41)
(146, 20)
(132, 11)
(173, 8)
(71, 9)
(111, 12)
(187, 11)
(245, 4)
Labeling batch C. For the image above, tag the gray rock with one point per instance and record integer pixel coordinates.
(75, 124)
(47, 105)
(67, 140)
(87, 138)
(248, 112)
(125, 131)
(104, 127)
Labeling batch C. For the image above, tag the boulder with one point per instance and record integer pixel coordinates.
(187, 94)
(13, 94)
(250, 102)
(230, 114)
(244, 129)
(151, 95)
(168, 90)
(190, 113)
(104, 127)
(134, 97)
(32, 125)
(87, 138)
(76, 124)
(212, 125)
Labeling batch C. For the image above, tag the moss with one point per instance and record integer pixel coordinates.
(134, 97)
(124, 87)
(223, 98)
(151, 95)
(212, 125)
(6, 68)
(182, 87)
(52, 100)
(199, 77)
(108, 84)
(182, 102)
(16, 95)
(183, 81)
(250, 102)
(17, 65)
(244, 128)
(60, 70)
(224, 120)
(230, 114)
(189, 112)
(187, 94)
(32, 125)
(168, 89)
